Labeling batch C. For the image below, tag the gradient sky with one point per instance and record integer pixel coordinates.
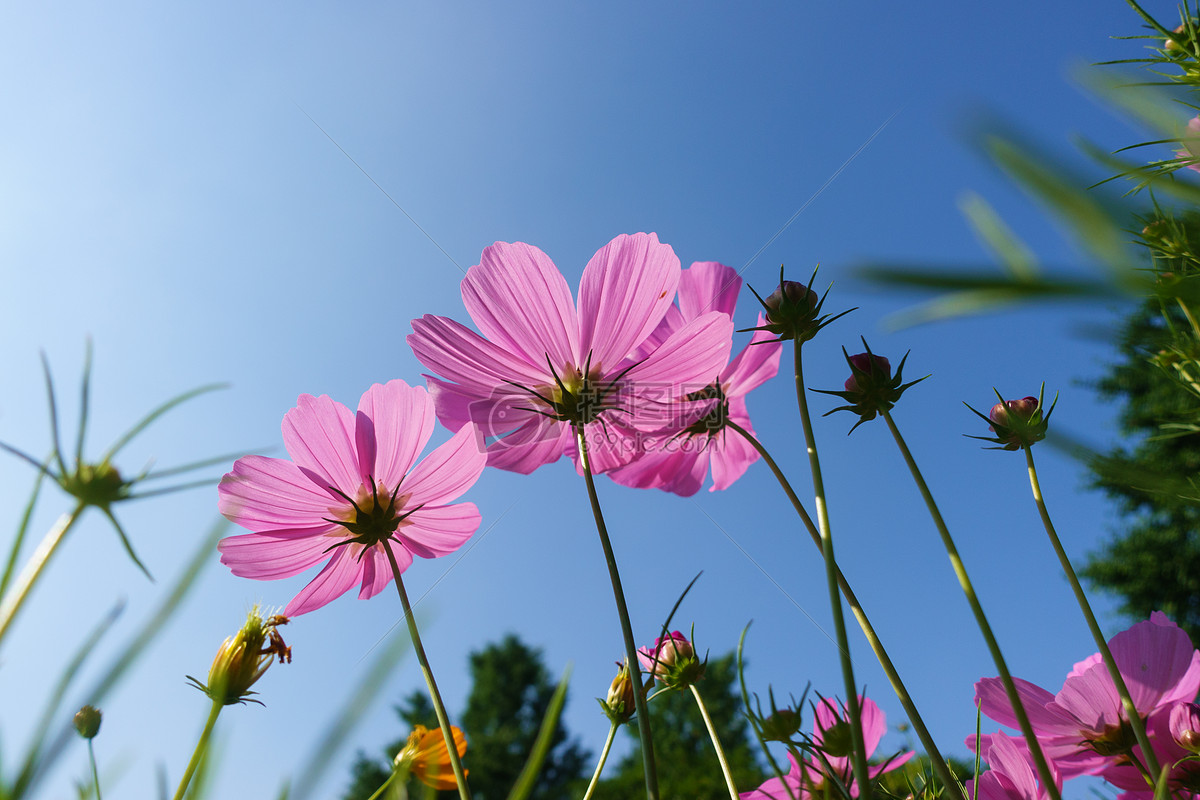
(164, 191)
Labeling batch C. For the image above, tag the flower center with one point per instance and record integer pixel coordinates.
(577, 396)
(374, 515)
(1115, 740)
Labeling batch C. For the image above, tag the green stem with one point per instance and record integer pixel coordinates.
(964, 580)
(1131, 713)
(612, 734)
(639, 699)
(95, 772)
(439, 708)
(861, 772)
(379, 792)
(712, 733)
(200, 751)
(33, 568)
(889, 669)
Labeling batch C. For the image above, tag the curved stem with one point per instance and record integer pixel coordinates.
(95, 772)
(639, 698)
(200, 751)
(964, 580)
(33, 568)
(612, 734)
(712, 733)
(861, 772)
(379, 792)
(1131, 712)
(889, 669)
(439, 708)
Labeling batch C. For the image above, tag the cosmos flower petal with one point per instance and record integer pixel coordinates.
(708, 286)
(439, 530)
(342, 573)
(377, 572)
(756, 364)
(254, 555)
(459, 354)
(689, 360)
(448, 471)
(1158, 662)
(993, 703)
(626, 288)
(539, 441)
(654, 469)
(520, 301)
(393, 424)
(457, 406)
(730, 454)
(266, 494)
(319, 436)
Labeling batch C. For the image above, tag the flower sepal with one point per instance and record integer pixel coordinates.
(673, 661)
(1016, 423)
(793, 311)
(871, 388)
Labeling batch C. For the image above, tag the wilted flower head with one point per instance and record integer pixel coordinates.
(871, 388)
(244, 657)
(87, 722)
(672, 661)
(793, 310)
(619, 705)
(1017, 423)
(426, 757)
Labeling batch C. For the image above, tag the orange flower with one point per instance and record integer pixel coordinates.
(426, 756)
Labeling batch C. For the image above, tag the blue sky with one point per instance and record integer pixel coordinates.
(163, 191)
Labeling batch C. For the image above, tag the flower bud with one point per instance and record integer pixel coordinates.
(871, 388)
(1173, 44)
(672, 661)
(782, 725)
(1017, 423)
(621, 703)
(793, 311)
(87, 722)
(1185, 726)
(874, 369)
(244, 657)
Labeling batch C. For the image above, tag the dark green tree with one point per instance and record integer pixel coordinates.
(510, 693)
(687, 765)
(1153, 561)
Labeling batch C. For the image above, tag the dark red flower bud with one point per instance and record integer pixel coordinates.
(871, 388)
(1017, 423)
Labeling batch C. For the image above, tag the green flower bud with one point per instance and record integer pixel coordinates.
(87, 722)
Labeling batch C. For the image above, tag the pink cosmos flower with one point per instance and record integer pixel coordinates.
(546, 363)
(678, 460)
(1165, 730)
(1011, 775)
(350, 490)
(1083, 727)
(831, 735)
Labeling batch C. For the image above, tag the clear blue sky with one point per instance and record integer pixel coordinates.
(163, 191)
